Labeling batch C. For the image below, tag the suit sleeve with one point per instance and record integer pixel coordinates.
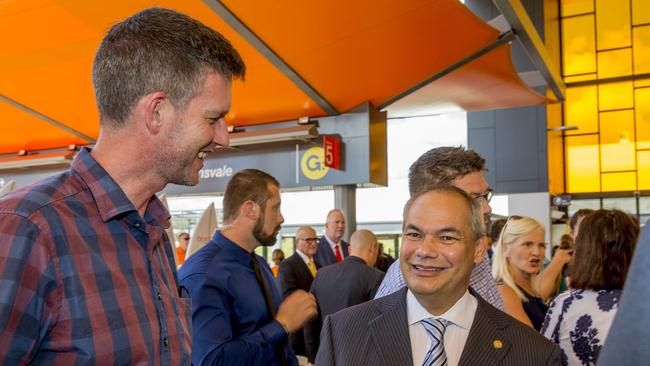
(325, 355)
(287, 280)
(213, 340)
(313, 328)
(554, 357)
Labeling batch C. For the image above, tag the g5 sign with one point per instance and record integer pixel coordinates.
(313, 164)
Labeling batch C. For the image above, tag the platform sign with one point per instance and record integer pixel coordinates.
(332, 152)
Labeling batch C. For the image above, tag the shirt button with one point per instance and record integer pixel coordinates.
(165, 342)
(137, 225)
(159, 296)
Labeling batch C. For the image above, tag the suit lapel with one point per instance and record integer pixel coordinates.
(389, 330)
(487, 342)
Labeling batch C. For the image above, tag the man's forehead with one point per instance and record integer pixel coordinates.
(437, 210)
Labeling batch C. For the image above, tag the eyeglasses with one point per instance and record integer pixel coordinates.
(309, 240)
(485, 197)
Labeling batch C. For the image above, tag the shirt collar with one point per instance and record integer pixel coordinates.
(457, 314)
(228, 246)
(332, 244)
(109, 197)
(302, 255)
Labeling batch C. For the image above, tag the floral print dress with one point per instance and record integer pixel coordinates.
(579, 320)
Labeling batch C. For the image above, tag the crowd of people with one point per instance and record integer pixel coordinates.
(89, 276)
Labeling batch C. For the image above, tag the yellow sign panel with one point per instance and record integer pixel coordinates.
(313, 163)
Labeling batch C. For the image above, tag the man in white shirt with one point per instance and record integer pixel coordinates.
(332, 248)
(436, 319)
(297, 273)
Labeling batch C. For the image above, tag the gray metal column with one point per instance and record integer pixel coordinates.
(345, 198)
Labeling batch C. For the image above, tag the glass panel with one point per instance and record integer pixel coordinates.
(578, 45)
(575, 79)
(612, 24)
(616, 182)
(575, 7)
(644, 205)
(640, 12)
(641, 83)
(641, 44)
(615, 96)
(581, 109)
(583, 171)
(624, 204)
(614, 63)
(642, 114)
(593, 203)
(617, 141)
(288, 246)
(643, 167)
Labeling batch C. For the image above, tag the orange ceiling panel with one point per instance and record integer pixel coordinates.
(353, 51)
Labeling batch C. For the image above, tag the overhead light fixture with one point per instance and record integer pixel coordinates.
(37, 160)
(300, 132)
(562, 128)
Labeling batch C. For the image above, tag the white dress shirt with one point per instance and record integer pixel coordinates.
(333, 245)
(459, 318)
(304, 257)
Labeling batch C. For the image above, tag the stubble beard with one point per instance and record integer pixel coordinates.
(263, 239)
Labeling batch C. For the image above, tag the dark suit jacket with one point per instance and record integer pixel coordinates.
(337, 287)
(376, 333)
(293, 275)
(325, 255)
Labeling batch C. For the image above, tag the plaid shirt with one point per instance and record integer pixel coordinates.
(84, 279)
(481, 281)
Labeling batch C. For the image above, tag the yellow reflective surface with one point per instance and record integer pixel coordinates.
(617, 148)
(640, 12)
(623, 181)
(641, 44)
(574, 7)
(643, 162)
(578, 45)
(582, 164)
(642, 114)
(614, 63)
(615, 96)
(641, 83)
(612, 24)
(575, 79)
(581, 109)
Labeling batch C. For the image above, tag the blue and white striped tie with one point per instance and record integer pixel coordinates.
(436, 329)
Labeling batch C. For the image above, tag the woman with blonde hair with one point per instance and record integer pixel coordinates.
(518, 258)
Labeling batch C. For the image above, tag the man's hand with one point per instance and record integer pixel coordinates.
(296, 310)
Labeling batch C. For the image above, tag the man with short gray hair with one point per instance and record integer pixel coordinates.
(87, 270)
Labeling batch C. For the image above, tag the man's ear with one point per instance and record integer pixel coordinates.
(156, 109)
(250, 209)
(481, 248)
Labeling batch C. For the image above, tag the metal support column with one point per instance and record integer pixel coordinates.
(345, 199)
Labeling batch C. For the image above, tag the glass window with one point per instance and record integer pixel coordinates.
(627, 204)
(642, 114)
(575, 7)
(615, 63)
(640, 12)
(643, 168)
(644, 205)
(617, 151)
(618, 182)
(581, 109)
(582, 164)
(578, 45)
(288, 246)
(641, 44)
(615, 96)
(592, 203)
(612, 24)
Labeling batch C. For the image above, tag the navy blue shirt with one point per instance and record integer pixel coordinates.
(230, 322)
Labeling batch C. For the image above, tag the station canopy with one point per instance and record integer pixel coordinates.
(303, 58)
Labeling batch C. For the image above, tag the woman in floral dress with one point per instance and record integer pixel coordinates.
(579, 319)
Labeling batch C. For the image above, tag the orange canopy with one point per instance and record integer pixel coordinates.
(343, 52)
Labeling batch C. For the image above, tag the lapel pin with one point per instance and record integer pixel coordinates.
(497, 344)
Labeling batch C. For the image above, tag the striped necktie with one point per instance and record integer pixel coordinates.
(436, 356)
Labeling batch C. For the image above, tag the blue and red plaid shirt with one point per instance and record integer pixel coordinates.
(85, 279)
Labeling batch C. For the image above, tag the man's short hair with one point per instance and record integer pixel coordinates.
(441, 166)
(476, 212)
(157, 50)
(577, 216)
(245, 185)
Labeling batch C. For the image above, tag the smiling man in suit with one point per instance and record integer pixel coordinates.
(436, 319)
(331, 247)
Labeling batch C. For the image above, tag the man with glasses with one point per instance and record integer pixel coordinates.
(297, 273)
(463, 168)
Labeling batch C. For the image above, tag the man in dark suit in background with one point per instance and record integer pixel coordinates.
(297, 273)
(331, 248)
(342, 285)
(436, 319)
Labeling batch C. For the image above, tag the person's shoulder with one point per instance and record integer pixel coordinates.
(31, 199)
(364, 310)
(204, 262)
